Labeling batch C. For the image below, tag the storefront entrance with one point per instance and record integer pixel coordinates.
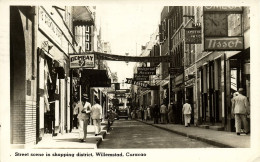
(189, 96)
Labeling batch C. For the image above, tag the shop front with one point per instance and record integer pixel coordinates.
(237, 76)
(210, 85)
(190, 90)
(179, 96)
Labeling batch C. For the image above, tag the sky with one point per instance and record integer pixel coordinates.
(127, 27)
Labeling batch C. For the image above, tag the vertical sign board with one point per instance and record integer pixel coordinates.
(193, 35)
(82, 61)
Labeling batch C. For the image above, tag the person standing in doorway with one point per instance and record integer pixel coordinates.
(83, 116)
(186, 110)
(240, 108)
(96, 115)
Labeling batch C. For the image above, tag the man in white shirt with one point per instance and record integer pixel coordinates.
(240, 107)
(96, 115)
(163, 111)
(84, 116)
(186, 110)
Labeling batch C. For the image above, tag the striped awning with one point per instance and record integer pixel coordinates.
(82, 16)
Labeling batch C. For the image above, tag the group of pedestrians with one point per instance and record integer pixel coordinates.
(82, 114)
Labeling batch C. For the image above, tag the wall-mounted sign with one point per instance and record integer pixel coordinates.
(223, 8)
(49, 27)
(82, 61)
(193, 35)
(224, 43)
(146, 70)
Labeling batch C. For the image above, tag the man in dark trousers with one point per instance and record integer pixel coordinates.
(156, 114)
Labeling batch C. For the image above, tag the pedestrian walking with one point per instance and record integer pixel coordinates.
(145, 114)
(142, 112)
(163, 111)
(152, 111)
(83, 117)
(170, 113)
(96, 115)
(75, 113)
(110, 119)
(240, 108)
(186, 110)
(156, 113)
(148, 113)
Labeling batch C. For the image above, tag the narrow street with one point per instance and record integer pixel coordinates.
(133, 134)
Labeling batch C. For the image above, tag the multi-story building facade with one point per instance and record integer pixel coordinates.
(41, 79)
(221, 72)
(207, 78)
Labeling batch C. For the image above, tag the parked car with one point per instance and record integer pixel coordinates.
(122, 113)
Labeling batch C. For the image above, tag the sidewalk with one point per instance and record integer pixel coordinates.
(217, 138)
(71, 141)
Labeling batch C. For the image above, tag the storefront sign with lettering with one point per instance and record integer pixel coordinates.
(49, 27)
(224, 43)
(140, 77)
(82, 61)
(146, 70)
(223, 8)
(193, 35)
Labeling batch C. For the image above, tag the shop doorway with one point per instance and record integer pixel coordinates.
(179, 107)
(189, 96)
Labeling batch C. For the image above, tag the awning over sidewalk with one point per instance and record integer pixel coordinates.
(96, 78)
(82, 16)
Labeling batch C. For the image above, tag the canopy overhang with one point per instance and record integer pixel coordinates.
(82, 16)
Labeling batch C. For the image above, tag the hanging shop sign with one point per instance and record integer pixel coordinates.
(49, 27)
(190, 72)
(146, 70)
(174, 70)
(193, 35)
(223, 8)
(105, 56)
(141, 84)
(224, 43)
(101, 83)
(189, 82)
(82, 61)
(134, 82)
(179, 79)
(141, 77)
